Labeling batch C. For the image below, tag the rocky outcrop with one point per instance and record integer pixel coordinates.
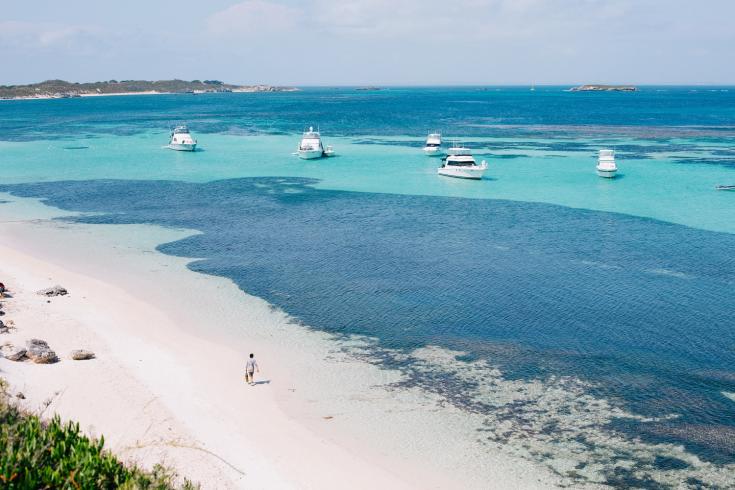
(6, 327)
(12, 353)
(604, 88)
(36, 350)
(53, 291)
(39, 352)
(82, 355)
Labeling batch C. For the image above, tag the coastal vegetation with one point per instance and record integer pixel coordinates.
(64, 89)
(39, 454)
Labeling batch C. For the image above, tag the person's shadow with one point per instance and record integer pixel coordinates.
(264, 382)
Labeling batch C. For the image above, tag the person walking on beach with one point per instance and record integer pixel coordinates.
(250, 367)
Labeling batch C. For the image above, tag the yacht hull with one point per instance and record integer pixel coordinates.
(182, 146)
(433, 151)
(606, 173)
(462, 173)
(310, 154)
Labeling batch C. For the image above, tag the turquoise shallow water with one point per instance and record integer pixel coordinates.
(653, 182)
(543, 268)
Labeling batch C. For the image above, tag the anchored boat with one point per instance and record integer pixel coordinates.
(433, 145)
(311, 146)
(606, 166)
(461, 164)
(181, 139)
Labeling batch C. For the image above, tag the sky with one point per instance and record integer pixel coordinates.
(361, 42)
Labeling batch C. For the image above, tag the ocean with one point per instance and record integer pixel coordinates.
(608, 303)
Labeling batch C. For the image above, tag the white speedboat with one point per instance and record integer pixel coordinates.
(606, 164)
(433, 145)
(311, 146)
(181, 139)
(461, 164)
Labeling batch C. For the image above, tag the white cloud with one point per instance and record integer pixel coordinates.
(495, 41)
(464, 19)
(253, 18)
(29, 35)
(381, 41)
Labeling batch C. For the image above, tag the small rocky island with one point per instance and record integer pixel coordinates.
(60, 89)
(604, 88)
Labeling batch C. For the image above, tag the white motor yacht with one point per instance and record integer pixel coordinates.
(311, 146)
(606, 164)
(433, 145)
(461, 164)
(181, 139)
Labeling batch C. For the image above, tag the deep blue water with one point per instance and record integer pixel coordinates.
(464, 112)
(610, 298)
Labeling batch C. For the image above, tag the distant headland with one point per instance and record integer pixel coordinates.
(60, 89)
(604, 88)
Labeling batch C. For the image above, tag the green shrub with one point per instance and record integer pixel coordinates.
(35, 454)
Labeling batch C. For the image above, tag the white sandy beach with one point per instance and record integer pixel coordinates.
(167, 383)
(47, 97)
(248, 89)
(145, 92)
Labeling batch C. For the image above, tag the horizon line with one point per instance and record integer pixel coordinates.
(404, 85)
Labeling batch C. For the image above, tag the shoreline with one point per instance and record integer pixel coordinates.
(249, 90)
(162, 391)
(54, 97)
